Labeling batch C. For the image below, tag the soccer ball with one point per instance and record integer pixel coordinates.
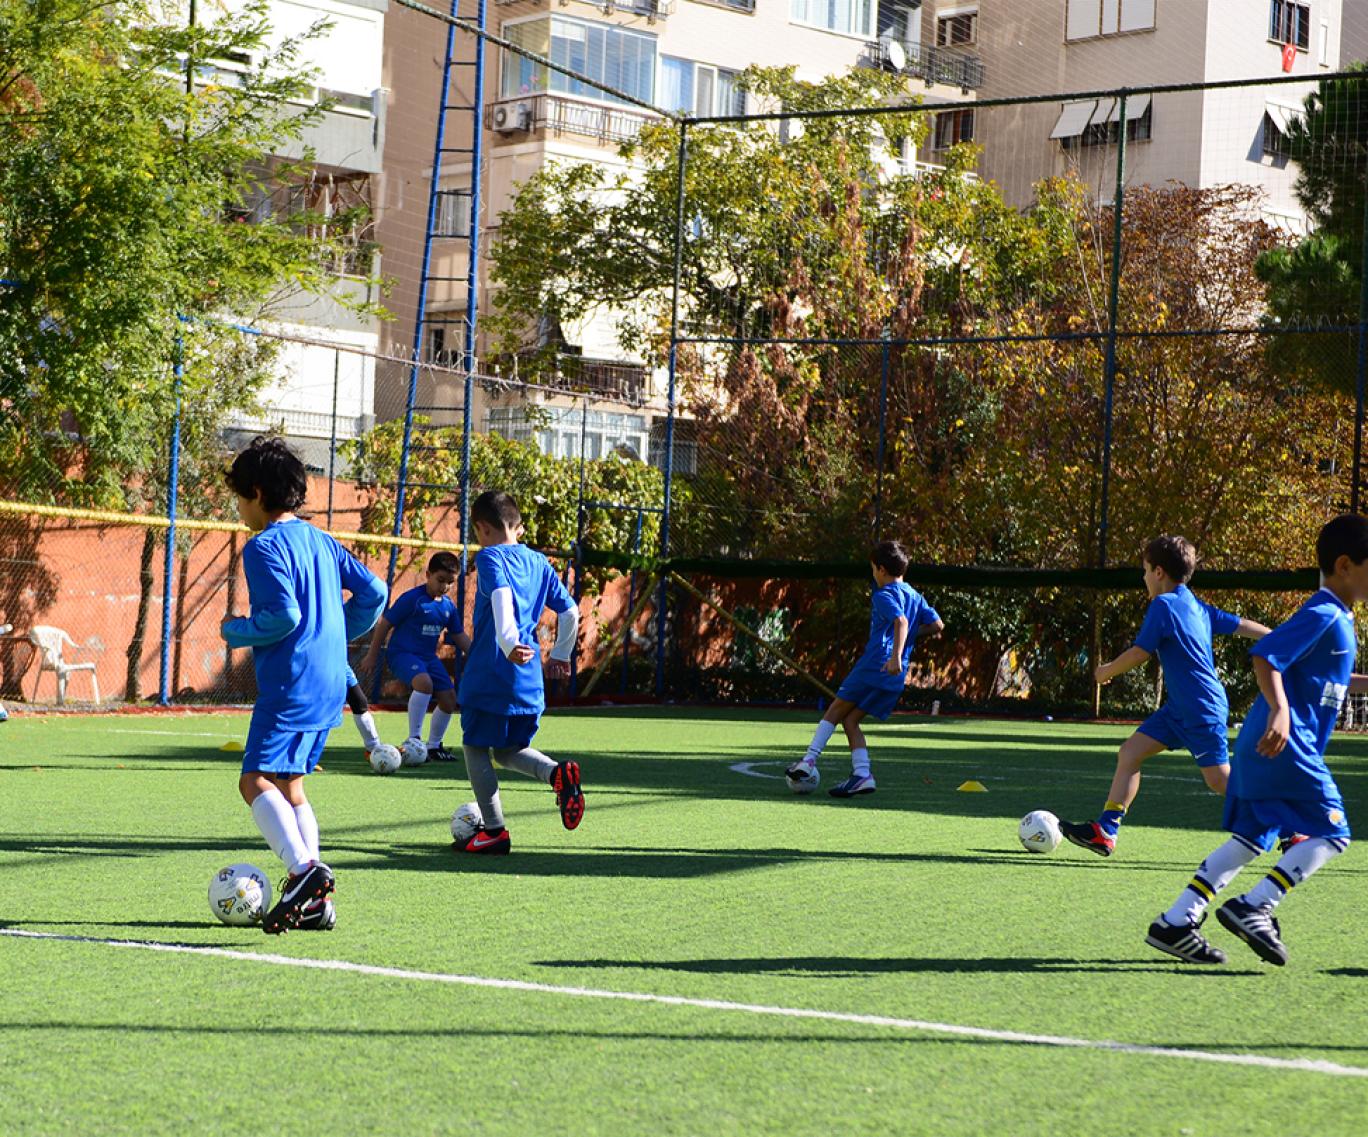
(1039, 832)
(803, 783)
(466, 820)
(414, 751)
(240, 895)
(385, 759)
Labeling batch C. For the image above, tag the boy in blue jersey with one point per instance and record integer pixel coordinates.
(899, 613)
(1178, 628)
(298, 633)
(414, 624)
(1280, 785)
(502, 692)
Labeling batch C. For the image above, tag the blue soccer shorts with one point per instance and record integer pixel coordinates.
(406, 665)
(486, 729)
(274, 750)
(1264, 821)
(876, 702)
(1208, 743)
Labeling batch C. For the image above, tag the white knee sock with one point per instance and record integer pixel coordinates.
(1299, 862)
(365, 725)
(418, 705)
(308, 829)
(278, 824)
(859, 762)
(820, 738)
(1212, 875)
(437, 728)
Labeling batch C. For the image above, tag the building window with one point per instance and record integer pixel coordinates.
(1097, 122)
(1089, 18)
(850, 17)
(956, 29)
(901, 23)
(559, 431)
(616, 57)
(954, 127)
(1277, 129)
(1289, 22)
(453, 213)
(699, 89)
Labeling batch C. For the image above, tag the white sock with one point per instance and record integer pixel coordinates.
(1299, 862)
(279, 825)
(1212, 875)
(437, 728)
(365, 725)
(308, 829)
(820, 738)
(859, 762)
(418, 705)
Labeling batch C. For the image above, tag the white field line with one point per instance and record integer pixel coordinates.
(747, 768)
(1306, 1065)
(176, 733)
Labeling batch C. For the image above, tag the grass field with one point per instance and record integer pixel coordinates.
(687, 879)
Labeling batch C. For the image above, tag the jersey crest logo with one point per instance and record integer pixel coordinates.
(1335, 816)
(1334, 694)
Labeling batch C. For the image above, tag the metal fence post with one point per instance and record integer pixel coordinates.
(1362, 376)
(1112, 306)
(332, 442)
(172, 495)
(886, 350)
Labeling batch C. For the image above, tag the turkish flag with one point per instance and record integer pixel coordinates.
(1289, 56)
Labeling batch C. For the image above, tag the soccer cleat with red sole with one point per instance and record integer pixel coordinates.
(484, 841)
(569, 799)
(1088, 835)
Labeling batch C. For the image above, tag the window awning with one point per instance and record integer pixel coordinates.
(1282, 114)
(1073, 119)
(1136, 106)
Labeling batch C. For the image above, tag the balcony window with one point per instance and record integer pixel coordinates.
(1289, 23)
(956, 29)
(616, 57)
(1089, 18)
(849, 17)
(953, 127)
(559, 431)
(699, 89)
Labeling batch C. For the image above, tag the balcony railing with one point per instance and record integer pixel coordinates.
(651, 9)
(608, 378)
(565, 114)
(934, 64)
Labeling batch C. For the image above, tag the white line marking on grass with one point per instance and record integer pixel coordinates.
(1307, 1065)
(746, 768)
(178, 733)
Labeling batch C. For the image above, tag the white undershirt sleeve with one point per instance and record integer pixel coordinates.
(567, 631)
(505, 621)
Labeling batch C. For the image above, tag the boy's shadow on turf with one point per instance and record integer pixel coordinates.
(849, 967)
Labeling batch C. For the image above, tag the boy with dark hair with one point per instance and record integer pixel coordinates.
(502, 692)
(298, 632)
(898, 613)
(1178, 628)
(417, 620)
(1280, 785)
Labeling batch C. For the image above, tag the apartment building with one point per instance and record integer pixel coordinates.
(678, 55)
(1200, 138)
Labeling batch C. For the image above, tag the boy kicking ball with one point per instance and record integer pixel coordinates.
(298, 633)
(1280, 785)
(899, 612)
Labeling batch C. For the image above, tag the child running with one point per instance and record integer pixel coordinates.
(1280, 786)
(502, 692)
(899, 613)
(298, 633)
(1178, 629)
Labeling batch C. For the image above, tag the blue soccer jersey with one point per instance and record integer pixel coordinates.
(1178, 628)
(492, 682)
(1314, 651)
(419, 621)
(891, 601)
(299, 626)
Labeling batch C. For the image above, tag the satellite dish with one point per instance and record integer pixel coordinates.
(896, 54)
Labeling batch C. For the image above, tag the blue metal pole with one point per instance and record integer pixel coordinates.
(1109, 397)
(172, 494)
(883, 438)
(579, 538)
(631, 599)
(662, 615)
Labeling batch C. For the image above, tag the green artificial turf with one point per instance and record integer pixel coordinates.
(685, 879)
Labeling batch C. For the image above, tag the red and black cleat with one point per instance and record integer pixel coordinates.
(1088, 835)
(569, 799)
(485, 841)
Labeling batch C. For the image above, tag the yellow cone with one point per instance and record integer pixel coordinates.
(232, 746)
(973, 787)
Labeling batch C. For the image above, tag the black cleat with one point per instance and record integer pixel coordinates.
(566, 782)
(1256, 926)
(314, 883)
(1088, 835)
(440, 754)
(853, 786)
(318, 916)
(1186, 942)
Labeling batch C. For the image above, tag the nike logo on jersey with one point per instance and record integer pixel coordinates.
(1346, 651)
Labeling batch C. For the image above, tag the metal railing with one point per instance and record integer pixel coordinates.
(934, 64)
(567, 114)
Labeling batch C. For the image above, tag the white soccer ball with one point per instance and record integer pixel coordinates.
(803, 784)
(466, 820)
(240, 895)
(1039, 832)
(385, 759)
(414, 751)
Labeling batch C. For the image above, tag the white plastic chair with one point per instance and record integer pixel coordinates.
(49, 641)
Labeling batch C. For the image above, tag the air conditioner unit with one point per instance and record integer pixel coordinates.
(892, 54)
(511, 118)
(657, 8)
